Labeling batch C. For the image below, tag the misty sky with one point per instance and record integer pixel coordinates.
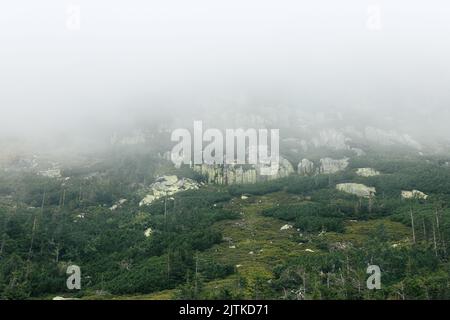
(133, 59)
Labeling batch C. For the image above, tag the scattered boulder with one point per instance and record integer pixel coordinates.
(309, 250)
(339, 246)
(357, 189)
(62, 298)
(81, 215)
(286, 227)
(148, 232)
(367, 172)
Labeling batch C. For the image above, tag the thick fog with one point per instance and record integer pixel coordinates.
(81, 69)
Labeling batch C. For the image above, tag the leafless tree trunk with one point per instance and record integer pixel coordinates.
(402, 292)
(196, 273)
(424, 230)
(412, 226)
(33, 231)
(79, 193)
(434, 240)
(168, 265)
(284, 294)
(64, 198)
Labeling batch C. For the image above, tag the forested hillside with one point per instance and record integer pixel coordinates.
(291, 238)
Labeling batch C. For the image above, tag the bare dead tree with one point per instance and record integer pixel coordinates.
(424, 229)
(57, 253)
(434, 240)
(33, 231)
(80, 195)
(401, 292)
(196, 273)
(64, 198)
(437, 219)
(412, 226)
(168, 265)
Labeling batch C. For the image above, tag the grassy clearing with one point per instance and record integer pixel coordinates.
(254, 244)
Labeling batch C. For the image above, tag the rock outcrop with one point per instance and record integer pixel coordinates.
(285, 169)
(367, 172)
(414, 194)
(118, 204)
(329, 166)
(54, 173)
(357, 189)
(227, 174)
(359, 152)
(305, 168)
(166, 186)
(241, 174)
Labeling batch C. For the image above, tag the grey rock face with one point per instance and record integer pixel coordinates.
(241, 174)
(329, 166)
(305, 168)
(285, 169)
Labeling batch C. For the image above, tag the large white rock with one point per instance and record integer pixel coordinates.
(148, 232)
(414, 194)
(166, 186)
(62, 298)
(357, 189)
(367, 172)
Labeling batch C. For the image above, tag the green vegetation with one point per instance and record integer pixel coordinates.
(212, 243)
